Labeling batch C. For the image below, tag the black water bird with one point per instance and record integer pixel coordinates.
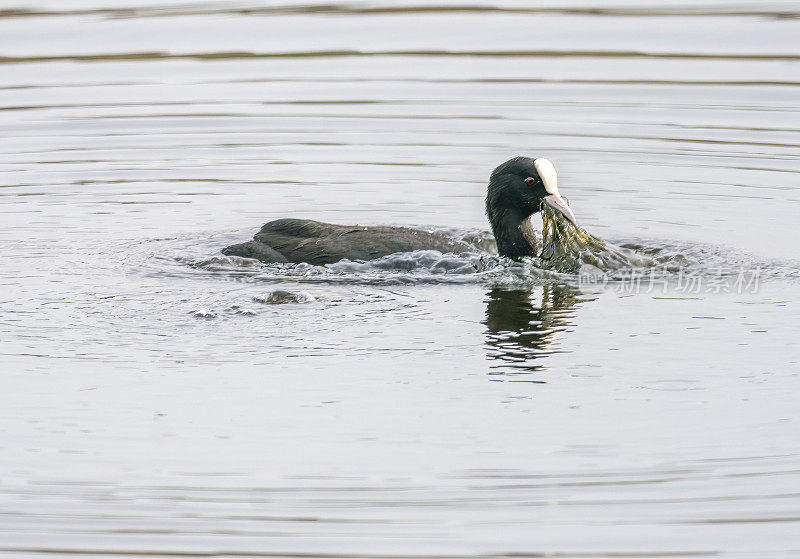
(516, 190)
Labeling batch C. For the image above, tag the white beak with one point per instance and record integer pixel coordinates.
(556, 202)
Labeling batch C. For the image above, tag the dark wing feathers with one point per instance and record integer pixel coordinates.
(302, 240)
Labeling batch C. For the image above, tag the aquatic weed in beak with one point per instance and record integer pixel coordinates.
(567, 248)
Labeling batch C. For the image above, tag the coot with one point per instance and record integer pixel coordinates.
(516, 189)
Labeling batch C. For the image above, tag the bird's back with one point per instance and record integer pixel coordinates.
(304, 240)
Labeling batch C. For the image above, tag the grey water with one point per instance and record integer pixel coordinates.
(159, 399)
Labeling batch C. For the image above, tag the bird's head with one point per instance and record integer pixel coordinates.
(518, 186)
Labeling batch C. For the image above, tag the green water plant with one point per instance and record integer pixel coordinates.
(568, 248)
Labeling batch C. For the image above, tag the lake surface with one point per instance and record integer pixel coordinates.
(155, 404)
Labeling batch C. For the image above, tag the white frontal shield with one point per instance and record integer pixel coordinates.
(547, 172)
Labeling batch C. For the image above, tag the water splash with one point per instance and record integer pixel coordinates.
(568, 256)
(281, 296)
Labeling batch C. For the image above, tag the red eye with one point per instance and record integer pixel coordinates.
(530, 181)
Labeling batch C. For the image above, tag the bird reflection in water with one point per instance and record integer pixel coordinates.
(521, 326)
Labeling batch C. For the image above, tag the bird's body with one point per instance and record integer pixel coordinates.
(516, 189)
(304, 240)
